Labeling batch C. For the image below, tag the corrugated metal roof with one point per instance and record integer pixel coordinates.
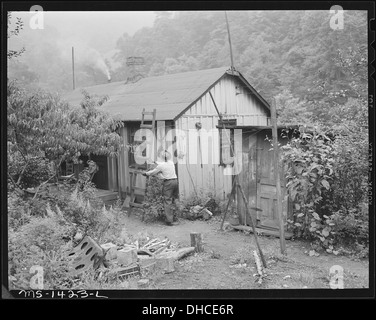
(170, 94)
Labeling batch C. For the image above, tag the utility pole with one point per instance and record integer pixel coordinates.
(229, 41)
(282, 239)
(237, 186)
(74, 85)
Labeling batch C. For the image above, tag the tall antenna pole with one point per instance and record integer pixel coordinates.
(74, 85)
(229, 41)
(282, 240)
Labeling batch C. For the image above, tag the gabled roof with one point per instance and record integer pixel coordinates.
(170, 94)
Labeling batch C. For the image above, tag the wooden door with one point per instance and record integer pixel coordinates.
(100, 178)
(266, 186)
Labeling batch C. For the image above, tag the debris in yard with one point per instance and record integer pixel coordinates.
(143, 283)
(286, 277)
(196, 241)
(203, 212)
(78, 236)
(227, 227)
(214, 255)
(259, 266)
(285, 286)
(206, 214)
(179, 253)
(210, 204)
(110, 249)
(147, 266)
(144, 252)
(87, 254)
(129, 246)
(127, 256)
(194, 212)
(155, 246)
(313, 253)
(261, 231)
(157, 254)
(126, 272)
(150, 243)
(165, 264)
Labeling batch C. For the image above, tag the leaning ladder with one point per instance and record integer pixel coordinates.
(136, 190)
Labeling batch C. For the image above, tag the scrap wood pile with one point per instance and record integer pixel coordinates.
(204, 212)
(128, 259)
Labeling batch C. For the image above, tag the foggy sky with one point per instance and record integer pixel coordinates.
(97, 29)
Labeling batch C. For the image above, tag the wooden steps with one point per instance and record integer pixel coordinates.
(262, 231)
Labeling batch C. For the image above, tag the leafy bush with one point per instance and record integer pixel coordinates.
(350, 185)
(154, 207)
(30, 172)
(351, 228)
(153, 202)
(19, 211)
(309, 170)
(46, 240)
(327, 181)
(43, 242)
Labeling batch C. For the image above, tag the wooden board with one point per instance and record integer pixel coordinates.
(266, 185)
(262, 231)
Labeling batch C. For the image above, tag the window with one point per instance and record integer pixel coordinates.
(226, 147)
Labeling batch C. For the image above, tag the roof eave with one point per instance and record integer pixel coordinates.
(199, 97)
(253, 90)
(231, 72)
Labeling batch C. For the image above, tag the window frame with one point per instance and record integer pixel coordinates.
(230, 124)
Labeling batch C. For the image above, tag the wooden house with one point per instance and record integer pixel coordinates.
(183, 102)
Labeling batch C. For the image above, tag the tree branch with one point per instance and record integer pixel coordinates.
(43, 183)
(15, 184)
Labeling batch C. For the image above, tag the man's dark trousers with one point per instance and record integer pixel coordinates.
(170, 193)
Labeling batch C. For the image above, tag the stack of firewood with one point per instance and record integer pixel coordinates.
(155, 246)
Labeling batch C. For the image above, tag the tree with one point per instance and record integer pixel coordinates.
(43, 127)
(14, 30)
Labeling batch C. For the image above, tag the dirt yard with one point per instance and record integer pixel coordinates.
(228, 261)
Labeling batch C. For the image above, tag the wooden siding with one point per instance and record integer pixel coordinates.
(112, 174)
(234, 102)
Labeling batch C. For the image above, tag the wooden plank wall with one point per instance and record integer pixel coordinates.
(112, 173)
(234, 102)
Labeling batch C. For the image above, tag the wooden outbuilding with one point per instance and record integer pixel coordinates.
(187, 124)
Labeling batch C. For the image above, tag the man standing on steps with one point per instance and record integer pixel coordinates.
(166, 171)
